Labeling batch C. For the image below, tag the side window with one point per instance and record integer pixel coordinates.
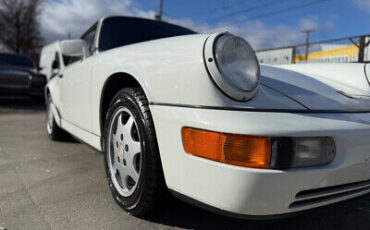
(56, 62)
(55, 66)
(89, 39)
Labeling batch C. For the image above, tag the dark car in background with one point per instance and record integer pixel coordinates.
(19, 78)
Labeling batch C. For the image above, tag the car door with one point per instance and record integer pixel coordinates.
(75, 94)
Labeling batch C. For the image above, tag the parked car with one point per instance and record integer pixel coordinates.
(51, 60)
(19, 78)
(196, 114)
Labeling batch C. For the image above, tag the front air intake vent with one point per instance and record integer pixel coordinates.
(315, 196)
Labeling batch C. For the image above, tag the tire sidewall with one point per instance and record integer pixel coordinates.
(124, 99)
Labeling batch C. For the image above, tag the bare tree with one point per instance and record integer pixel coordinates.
(20, 26)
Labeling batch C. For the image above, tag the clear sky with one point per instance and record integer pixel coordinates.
(265, 23)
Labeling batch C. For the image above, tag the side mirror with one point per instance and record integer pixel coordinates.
(74, 48)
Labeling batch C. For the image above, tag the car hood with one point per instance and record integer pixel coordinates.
(21, 71)
(17, 69)
(324, 87)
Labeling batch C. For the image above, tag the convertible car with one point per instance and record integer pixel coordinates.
(196, 115)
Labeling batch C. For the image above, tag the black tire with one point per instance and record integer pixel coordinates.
(150, 186)
(54, 132)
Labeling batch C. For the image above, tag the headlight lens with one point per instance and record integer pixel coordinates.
(312, 151)
(235, 68)
(302, 152)
(236, 62)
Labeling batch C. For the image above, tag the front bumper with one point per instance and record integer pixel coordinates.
(261, 192)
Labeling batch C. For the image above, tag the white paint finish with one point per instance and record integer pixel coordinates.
(55, 114)
(178, 69)
(258, 191)
(348, 75)
(87, 137)
(75, 93)
(172, 70)
(74, 48)
(319, 91)
(54, 86)
(47, 57)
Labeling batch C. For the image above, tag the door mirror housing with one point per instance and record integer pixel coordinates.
(75, 48)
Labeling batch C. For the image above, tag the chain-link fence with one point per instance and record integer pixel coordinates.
(343, 50)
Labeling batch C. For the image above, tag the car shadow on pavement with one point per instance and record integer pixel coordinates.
(352, 214)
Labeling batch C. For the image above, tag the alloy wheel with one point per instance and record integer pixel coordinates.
(124, 152)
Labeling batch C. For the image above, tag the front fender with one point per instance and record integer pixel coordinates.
(53, 88)
(171, 71)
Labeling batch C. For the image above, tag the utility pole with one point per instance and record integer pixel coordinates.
(159, 15)
(307, 32)
(361, 49)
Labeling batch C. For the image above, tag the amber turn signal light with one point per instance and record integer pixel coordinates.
(241, 150)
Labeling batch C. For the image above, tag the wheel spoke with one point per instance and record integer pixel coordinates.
(128, 125)
(132, 172)
(119, 125)
(123, 176)
(115, 138)
(114, 164)
(135, 148)
(125, 154)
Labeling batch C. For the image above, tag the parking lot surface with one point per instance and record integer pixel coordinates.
(62, 185)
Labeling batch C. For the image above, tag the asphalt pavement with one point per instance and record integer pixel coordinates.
(62, 185)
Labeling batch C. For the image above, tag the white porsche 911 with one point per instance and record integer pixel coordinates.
(197, 115)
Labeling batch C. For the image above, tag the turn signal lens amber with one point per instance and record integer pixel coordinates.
(241, 150)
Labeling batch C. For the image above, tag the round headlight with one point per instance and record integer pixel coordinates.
(233, 66)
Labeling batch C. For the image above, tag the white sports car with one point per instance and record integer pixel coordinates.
(197, 115)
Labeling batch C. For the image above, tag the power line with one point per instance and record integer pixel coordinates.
(278, 12)
(225, 7)
(270, 3)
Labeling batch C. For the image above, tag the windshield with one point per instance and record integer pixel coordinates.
(15, 60)
(120, 31)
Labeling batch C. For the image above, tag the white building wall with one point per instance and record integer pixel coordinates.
(275, 56)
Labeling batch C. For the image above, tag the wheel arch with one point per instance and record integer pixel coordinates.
(112, 85)
(46, 93)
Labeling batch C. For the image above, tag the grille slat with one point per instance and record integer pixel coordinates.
(332, 190)
(14, 80)
(315, 196)
(302, 203)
